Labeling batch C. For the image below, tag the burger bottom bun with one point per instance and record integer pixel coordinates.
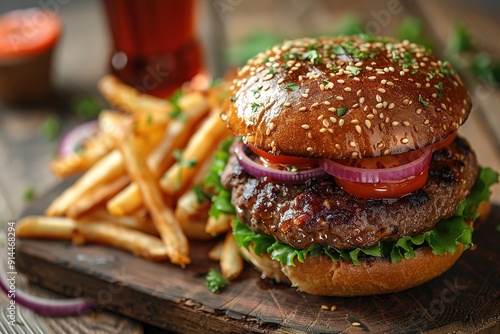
(321, 276)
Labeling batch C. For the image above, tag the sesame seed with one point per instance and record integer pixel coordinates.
(390, 83)
(352, 144)
(340, 98)
(333, 119)
(314, 105)
(354, 121)
(370, 116)
(418, 111)
(310, 149)
(358, 93)
(372, 77)
(305, 126)
(323, 130)
(302, 108)
(379, 98)
(268, 131)
(333, 308)
(340, 81)
(379, 105)
(443, 106)
(354, 154)
(257, 95)
(431, 129)
(326, 123)
(380, 145)
(418, 84)
(322, 87)
(358, 129)
(357, 324)
(415, 127)
(401, 73)
(381, 90)
(327, 103)
(332, 109)
(337, 146)
(395, 123)
(383, 81)
(341, 122)
(387, 151)
(368, 124)
(361, 100)
(268, 77)
(426, 122)
(391, 69)
(387, 119)
(266, 87)
(280, 80)
(320, 117)
(287, 104)
(427, 85)
(330, 130)
(406, 123)
(391, 106)
(369, 68)
(305, 95)
(406, 102)
(347, 89)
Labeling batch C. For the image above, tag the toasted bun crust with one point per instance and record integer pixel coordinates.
(321, 276)
(396, 96)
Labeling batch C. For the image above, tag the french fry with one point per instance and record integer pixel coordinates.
(139, 221)
(129, 99)
(163, 217)
(93, 150)
(231, 263)
(97, 196)
(192, 216)
(105, 170)
(219, 225)
(199, 148)
(107, 233)
(215, 253)
(176, 135)
(41, 227)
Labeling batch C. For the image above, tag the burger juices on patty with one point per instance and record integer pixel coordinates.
(349, 178)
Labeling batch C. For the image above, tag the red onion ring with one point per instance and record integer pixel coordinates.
(364, 175)
(45, 306)
(74, 138)
(256, 170)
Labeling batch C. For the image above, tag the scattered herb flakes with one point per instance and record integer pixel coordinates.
(313, 56)
(326, 81)
(440, 86)
(445, 68)
(421, 100)
(461, 40)
(395, 57)
(29, 194)
(214, 281)
(50, 127)
(232, 98)
(432, 74)
(334, 68)
(290, 55)
(339, 50)
(342, 111)
(266, 60)
(256, 90)
(353, 69)
(292, 86)
(271, 70)
(176, 109)
(190, 163)
(407, 59)
(254, 106)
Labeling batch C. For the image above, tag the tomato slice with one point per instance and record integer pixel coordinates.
(272, 160)
(445, 142)
(384, 190)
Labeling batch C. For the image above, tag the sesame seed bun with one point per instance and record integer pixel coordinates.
(345, 97)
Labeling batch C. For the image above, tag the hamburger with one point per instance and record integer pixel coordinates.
(347, 176)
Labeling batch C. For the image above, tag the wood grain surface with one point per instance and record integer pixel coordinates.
(466, 299)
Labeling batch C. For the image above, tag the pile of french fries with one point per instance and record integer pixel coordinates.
(135, 192)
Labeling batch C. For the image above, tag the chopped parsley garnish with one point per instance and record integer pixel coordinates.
(432, 74)
(421, 100)
(87, 107)
(215, 281)
(444, 68)
(353, 69)
(265, 60)
(256, 90)
(271, 70)
(339, 50)
(334, 68)
(395, 57)
(290, 55)
(254, 106)
(50, 127)
(190, 163)
(407, 59)
(233, 98)
(313, 56)
(342, 111)
(326, 81)
(149, 119)
(176, 111)
(440, 86)
(292, 86)
(29, 194)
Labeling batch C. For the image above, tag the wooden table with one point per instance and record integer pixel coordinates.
(25, 153)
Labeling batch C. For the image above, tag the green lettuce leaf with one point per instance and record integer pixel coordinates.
(444, 238)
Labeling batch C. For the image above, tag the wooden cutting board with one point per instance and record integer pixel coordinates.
(466, 299)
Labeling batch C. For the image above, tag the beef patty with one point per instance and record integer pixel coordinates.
(320, 212)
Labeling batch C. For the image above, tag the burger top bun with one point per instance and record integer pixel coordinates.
(345, 97)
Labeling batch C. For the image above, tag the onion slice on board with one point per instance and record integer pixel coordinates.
(257, 170)
(45, 306)
(74, 138)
